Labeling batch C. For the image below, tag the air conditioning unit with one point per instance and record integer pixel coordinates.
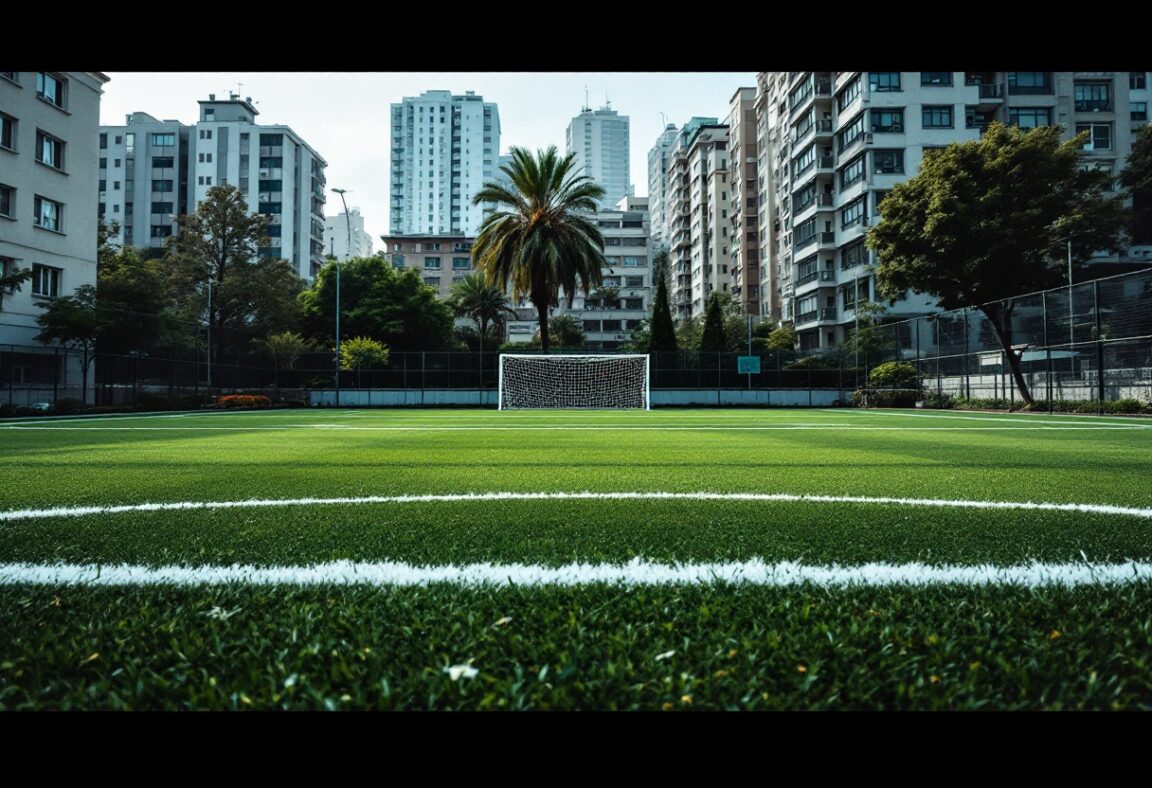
(868, 138)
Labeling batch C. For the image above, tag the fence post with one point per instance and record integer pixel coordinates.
(56, 377)
(1099, 344)
(1047, 349)
(11, 371)
(423, 374)
(967, 380)
(135, 372)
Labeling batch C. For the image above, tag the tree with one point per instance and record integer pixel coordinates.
(211, 244)
(568, 331)
(134, 294)
(11, 279)
(285, 350)
(378, 302)
(486, 304)
(662, 329)
(260, 298)
(688, 333)
(361, 352)
(783, 338)
(988, 220)
(863, 348)
(714, 339)
(541, 238)
(74, 321)
(1137, 178)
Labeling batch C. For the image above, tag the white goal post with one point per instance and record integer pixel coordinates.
(573, 381)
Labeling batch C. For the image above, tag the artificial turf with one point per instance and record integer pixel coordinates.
(167, 648)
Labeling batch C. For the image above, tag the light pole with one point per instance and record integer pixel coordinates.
(209, 336)
(1071, 314)
(348, 226)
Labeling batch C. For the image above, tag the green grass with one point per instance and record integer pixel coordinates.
(861, 648)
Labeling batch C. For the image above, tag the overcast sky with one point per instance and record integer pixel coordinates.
(345, 116)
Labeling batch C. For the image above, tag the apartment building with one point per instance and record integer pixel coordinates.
(744, 246)
(600, 140)
(441, 259)
(344, 229)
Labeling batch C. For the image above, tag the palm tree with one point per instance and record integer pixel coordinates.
(542, 237)
(486, 304)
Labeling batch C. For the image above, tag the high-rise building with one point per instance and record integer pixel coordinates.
(143, 182)
(696, 216)
(279, 174)
(658, 157)
(49, 125)
(839, 141)
(152, 170)
(599, 138)
(337, 230)
(742, 201)
(444, 149)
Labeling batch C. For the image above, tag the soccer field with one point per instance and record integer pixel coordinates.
(720, 559)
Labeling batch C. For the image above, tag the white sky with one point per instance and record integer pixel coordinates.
(346, 116)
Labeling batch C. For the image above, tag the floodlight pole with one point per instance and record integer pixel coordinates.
(1071, 312)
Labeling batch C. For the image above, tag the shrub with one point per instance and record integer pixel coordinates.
(243, 401)
(894, 375)
(936, 400)
(879, 398)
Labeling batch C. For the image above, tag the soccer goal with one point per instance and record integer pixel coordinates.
(573, 381)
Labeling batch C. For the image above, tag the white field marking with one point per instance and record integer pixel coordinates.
(996, 427)
(1005, 417)
(261, 503)
(635, 572)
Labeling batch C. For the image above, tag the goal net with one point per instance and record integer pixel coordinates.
(569, 381)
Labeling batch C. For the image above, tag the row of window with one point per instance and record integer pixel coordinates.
(49, 150)
(46, 213)
(45, 278)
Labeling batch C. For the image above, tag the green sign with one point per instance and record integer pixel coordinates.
(748, 365)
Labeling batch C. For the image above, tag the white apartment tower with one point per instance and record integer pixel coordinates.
(279, 174)
(658, 159)
(839, 141)
(445, 147)
(337, 230)
(49, 125)
(599, 138)
(143, 181)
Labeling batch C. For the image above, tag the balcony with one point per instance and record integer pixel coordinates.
(824, 88)
(827, 240)
(1094, 105)
(823, 128)
(825, 315)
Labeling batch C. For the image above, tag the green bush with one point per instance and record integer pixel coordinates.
(941, 401)
(894, 375)
(880, 398)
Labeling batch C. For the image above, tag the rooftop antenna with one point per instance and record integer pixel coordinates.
(607, 103)
(239, 89)
(663, 121)
(585, 107)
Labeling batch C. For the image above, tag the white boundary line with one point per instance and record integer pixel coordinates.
(636, 572)
(996, 427)
(260, 503)
(1021, 418)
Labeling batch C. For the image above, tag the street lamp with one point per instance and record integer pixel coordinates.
(348, 226)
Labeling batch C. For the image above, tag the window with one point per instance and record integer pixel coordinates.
(100, 209)
(888, 121)
(162, 186)
(103, 163)
(115, 162)
(7, 200)
(432, 281)
(1030, 117)
(11, 76)
(935, 77)
(7, 265)
(119, 139)
(1139, 110)
(115, 186)
(103, 141)
(1029, 82)
(459, 263)
(7, 131)
(161, 230)
(50, 88)
(853, 213)
(887, 162)
(116, 208)
(883, 81)
(853, 254)
(205, 157)
(48, 214)
(205, 134)
(1093, 96)
(271, 185)
(1137, 80)
(163, 162)
(852, 132)
(804, 161)
(849, 94)
(271, 162)
(1099, 135)
(163, 140)
(937, 117)
(851, 173)
(158, 208)
(432, 262)
(45, 280)
(271, 140)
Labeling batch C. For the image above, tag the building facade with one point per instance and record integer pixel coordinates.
(49, 131)
(445, 147)
(442, 260)
(600, 140)
(744, 248)
(839, 141)
(658, 159)
(338, 229)
(153, 170)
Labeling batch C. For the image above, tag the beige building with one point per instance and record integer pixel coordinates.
(440, 259)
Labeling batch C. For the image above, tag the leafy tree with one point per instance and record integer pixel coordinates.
(363, 353)
(260, 298)
(688, 333)
(783, 338)
(541, 238)
(222, 237)
(1137, 178)
(75, 322)
(11, 278)
(662, 329)
(865, 344)
(566, 330)
(486, 304)
(714, 338)
(134, 293)
(987, 220)
(285, 349)
(379, 302)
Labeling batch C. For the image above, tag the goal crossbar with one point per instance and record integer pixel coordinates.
(570, 380)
